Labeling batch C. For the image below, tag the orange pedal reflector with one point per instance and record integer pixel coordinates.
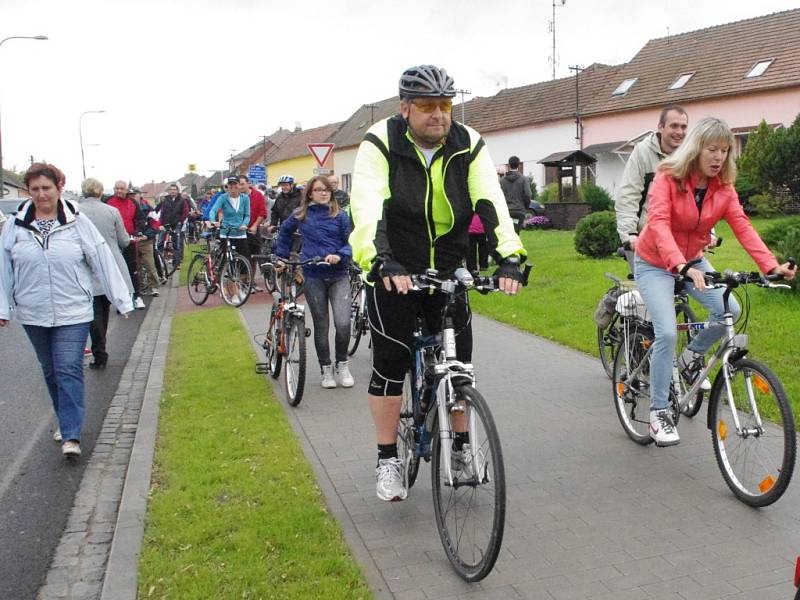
(722, 429)
(620, 388)
(766, 484)
(646, 343)
(761, 384)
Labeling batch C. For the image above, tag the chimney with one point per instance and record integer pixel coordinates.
(297, 126)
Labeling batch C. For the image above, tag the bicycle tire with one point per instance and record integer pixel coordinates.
(406, 437)
(685, 314)
(197, 280)
(357, 318)
(161, 267)
(756, 467)
(168, 254)
(482, 497)
(608, 340)
(632, 398)
(295, 367)
(270, 277)
(235, 281)
(273, 340)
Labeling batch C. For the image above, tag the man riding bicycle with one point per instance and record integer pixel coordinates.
(418, 179)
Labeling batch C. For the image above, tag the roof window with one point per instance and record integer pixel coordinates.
(681, 81)
(623, 87)
(759, 68)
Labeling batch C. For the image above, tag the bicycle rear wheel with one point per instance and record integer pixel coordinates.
(608, 340)
(758, 461)
(406, 435)
(631, 383)
(295, 368)
(358, 316)
(272, 344)
(197, 280)
(235, 281)
(470, 514)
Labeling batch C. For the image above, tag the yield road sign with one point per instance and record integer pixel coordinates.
(321, 152)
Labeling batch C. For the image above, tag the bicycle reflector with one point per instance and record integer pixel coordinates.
(766, 484)
(723, 430)
(761, 384)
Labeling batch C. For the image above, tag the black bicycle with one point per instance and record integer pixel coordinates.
(439, 401)
(359, 321)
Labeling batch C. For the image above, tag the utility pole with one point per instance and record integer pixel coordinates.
(463, 92)
(553, 31)
(578, 123)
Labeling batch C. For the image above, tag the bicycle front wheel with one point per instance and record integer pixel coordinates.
(757, 460)
(631, 383)
(295, 368)
(197, 280)
(235, 284)
(406, 435)
(270, 277)
(168, 254)
(608, 340)
(470, 513)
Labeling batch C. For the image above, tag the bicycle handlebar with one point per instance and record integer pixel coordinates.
(732, 279)
(316, 260)
(463, 279)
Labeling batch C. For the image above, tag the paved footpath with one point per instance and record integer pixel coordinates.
(591, 515)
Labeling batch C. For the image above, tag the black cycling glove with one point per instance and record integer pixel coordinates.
(508, 268)
(386, 268)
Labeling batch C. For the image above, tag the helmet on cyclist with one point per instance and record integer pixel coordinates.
(426, 81)
(286, 179)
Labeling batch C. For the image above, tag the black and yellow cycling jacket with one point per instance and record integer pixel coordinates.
(419, 216)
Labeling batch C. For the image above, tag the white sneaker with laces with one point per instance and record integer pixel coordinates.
(328, 381)
(461, 463)
(389, 480)
(690, 365)
(138, 303)
(662, 429)
(345, 377)
(71, 448)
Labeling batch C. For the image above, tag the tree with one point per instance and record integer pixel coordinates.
(781, 166)
(751, 177)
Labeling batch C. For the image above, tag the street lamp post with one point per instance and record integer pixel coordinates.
(80, 135)
(13, 37)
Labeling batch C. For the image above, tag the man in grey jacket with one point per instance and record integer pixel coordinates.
(630, 202)
(517, 190)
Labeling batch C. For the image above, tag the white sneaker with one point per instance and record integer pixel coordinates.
(389, 480)
(690, 365)
(328, 382)
(345, 378)
(461, 463)
(57, 434)
(138, 303)
(662, 429)
(71, 448)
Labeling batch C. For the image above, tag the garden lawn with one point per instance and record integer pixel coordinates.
(234, 510)
(565, 287)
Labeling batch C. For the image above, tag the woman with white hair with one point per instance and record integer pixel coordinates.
(692, 190)
(108, 221)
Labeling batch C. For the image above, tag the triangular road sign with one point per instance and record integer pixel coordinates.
(321, 152)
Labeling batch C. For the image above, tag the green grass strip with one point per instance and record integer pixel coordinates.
(234, 509)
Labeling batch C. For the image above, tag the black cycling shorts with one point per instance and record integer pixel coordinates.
(241, 245)
(392, 318)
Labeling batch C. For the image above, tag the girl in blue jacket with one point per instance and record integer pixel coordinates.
(324, 228)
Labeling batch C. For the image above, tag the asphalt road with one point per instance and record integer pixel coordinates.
(37, 486)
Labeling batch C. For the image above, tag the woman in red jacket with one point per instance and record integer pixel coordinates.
(692, 190)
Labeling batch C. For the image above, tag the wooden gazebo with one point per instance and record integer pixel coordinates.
(567, 164)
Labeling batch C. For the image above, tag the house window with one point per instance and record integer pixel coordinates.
(759, 68)
(623, 87)
(347, 179)
(681, 81)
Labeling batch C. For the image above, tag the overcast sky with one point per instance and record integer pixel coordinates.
(191, 81)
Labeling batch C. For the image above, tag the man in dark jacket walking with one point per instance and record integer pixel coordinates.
(517, 190)
(174, 210)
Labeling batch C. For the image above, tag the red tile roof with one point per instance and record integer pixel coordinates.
(294, 145)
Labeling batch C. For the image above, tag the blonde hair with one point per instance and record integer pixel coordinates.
(686, 159)
(91, 188)
(305, 199)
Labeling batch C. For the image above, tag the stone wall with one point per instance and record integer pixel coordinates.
(565, 215)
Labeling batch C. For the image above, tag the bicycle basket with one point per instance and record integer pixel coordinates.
(606, 307)
(631, 304)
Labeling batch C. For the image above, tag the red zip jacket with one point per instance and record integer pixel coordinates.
(676, 232)
(127, 209)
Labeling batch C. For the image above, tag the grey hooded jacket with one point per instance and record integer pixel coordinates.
(517, 190)
(49, 283)
(630, 202)
(108, 221)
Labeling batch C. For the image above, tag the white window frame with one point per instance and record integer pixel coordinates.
(754, 72)
(624, 87)
(682, 80)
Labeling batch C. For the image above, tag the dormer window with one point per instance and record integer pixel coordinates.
(681, 81)
(623, 87)
(759, 68)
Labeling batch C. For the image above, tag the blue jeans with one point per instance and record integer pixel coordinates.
(318, 293)
(657, 287)
(60, 353)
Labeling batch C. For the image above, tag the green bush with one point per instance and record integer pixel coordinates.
(596, 235)
(746, 186)
(549, 193)
(764, 205)
(784, 240)
(597, 196)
